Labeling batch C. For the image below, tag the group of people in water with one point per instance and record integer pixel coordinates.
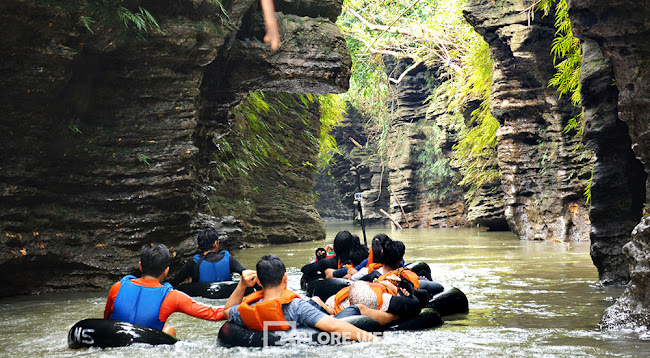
(382, 288)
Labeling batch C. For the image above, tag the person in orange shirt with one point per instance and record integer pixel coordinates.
(147, 302)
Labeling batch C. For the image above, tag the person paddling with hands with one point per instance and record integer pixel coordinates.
(275, 303)
(147, 302)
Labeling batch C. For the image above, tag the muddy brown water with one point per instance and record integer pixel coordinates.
(527, 299)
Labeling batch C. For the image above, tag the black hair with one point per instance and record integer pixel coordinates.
(322, 255)
(393, 253)
(343, 242)
(206, 239)
(358, 254)
(270, 270)
(348, 247)
(378, 243)
(155, 258)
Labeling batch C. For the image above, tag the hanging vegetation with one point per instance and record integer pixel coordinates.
(567, 58)
(253, 143)
(434, 33)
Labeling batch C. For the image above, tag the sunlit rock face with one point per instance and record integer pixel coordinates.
(422, 132)
(414, 202)
(543, 177)
(620, 31)
(108, 136)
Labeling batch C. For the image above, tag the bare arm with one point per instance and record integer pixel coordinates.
(382, 317)
(329, 273)
(271, 22)
(347, 330)
(322, 304)
(248, 279)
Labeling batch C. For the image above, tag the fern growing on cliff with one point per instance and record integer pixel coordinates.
(332, 109)
(142, 19)
(566, 49)
(253, 141)
(476, 150)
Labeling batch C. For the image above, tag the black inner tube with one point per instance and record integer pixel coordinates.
(213, 290)
(234, 335)
(104, 333)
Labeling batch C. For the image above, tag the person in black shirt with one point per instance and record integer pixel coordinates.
(348, 249)
(211, 266)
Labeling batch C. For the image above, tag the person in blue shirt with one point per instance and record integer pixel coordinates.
(212, 265)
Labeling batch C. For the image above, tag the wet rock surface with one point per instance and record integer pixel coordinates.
(543, 178)
(621, 31)
(618, 184)
(106, 135)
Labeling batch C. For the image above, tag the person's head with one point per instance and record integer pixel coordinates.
(320, 253)
(377, 244)
(357, 253)
(348, 247)
(271, 271)
(393, 253)
(343, 242)
(154, 259)
(207, 239)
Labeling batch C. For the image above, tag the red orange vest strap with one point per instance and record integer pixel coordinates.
(271, 310)
(374, 266)
(404, 274)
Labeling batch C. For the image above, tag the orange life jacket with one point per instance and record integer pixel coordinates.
(370, 257)
(374, 266)
(345, 292)
(271, 310)
(404, 274)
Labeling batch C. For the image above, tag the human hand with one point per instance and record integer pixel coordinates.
(272, 32)
(272, 37)
(249, 278)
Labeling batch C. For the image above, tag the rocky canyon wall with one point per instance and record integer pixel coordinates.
(616, 34)
(109, 134)
(543, 177)
(404, 185)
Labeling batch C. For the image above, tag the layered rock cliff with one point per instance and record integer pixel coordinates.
(616, 33)
(108, 133)
(357, 169)
(543, 178)
(416, 183)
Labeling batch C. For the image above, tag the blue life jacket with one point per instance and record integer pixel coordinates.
(214, 271)
(139, 304)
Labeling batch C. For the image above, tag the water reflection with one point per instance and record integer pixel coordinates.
(526, 299)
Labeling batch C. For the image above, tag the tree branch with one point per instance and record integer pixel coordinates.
(401, 77)
(417, 32)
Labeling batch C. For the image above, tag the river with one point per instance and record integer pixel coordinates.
(527, 298)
